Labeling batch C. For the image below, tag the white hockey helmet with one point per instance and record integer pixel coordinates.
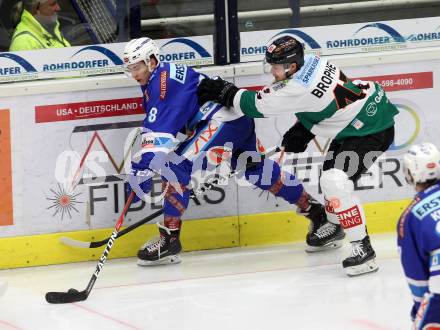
(141, 49)
(422, 163)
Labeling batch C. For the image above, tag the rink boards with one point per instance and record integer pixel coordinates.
(201, 234)
(65, 131)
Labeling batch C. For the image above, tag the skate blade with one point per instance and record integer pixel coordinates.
(175, 259)
(368, 267)
(329, 246)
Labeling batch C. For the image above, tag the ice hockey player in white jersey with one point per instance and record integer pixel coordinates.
(356, 115)
(418, 232)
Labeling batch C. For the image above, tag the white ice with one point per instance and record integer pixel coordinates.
(268, 288)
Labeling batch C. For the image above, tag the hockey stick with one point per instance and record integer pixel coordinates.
(206, 186)
(74, 295)
(91, 245)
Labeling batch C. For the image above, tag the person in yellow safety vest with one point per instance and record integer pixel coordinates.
(39, 27)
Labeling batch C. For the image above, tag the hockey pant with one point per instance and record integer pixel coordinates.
(345, 162)
(214, 142)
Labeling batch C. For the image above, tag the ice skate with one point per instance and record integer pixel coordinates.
(323, 235)
(327, 237)
(161, 250)
(361, 260)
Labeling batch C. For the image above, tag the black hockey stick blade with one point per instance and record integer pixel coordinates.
(70, 296)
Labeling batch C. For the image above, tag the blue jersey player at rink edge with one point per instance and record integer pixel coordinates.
(418, 233)
(356, 115)
(172, 111)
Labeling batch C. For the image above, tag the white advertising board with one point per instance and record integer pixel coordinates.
(348, 38)
(85, 131)
(96, 59)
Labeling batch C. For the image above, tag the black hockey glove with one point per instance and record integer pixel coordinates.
(217, 90)
(297, 138)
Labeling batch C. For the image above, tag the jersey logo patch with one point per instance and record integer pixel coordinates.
(403, 217)
(332, 204)
(277, 86)
(356, 123)
(308, 71)
(427, 205)
(156, 142)
(163, 85)
(371, 109)
(202, 140)
(350, 218)
(178, 72)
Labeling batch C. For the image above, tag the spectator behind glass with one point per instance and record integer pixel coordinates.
(39, 27)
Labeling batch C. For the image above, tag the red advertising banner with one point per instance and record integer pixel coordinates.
(6, 210)
(404, 81)
(88, 110)
(393, 82)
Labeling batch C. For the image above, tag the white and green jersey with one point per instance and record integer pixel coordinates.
(324, 100)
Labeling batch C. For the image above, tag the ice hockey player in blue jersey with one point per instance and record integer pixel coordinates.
(179, 133)
(418, 232)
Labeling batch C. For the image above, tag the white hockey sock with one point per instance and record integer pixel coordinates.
(341, 206)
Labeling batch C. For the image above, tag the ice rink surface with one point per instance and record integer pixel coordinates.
(267, 288)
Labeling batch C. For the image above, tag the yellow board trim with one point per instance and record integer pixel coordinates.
(214, 233)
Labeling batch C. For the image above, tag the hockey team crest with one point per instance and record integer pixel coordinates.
(371, 109)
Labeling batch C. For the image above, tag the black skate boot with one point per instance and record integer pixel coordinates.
(316, 215)
(323, 235)
(161, 250)
(361, 260)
